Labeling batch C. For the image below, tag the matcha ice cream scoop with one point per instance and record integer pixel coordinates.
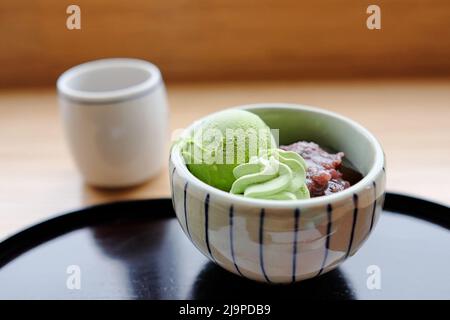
(281, 176)
(222, 142)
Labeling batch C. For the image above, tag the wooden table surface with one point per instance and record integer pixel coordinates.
(38, 178)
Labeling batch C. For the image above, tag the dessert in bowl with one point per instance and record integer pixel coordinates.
(286, 212)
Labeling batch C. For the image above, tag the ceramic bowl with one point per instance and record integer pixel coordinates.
(289, 240)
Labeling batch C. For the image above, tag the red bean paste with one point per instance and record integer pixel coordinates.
(323, 176)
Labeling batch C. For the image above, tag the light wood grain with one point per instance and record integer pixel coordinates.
(222, 39)
(38, 178)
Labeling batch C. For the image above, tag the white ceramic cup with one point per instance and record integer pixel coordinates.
(115, 115)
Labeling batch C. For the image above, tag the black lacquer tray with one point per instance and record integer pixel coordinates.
(136, 250)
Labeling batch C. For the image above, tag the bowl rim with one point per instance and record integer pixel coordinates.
(367, 180)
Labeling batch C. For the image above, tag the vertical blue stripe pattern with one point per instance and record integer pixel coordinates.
(185, 209)
(355, 217)
(172, 189)
(374, 205)
(173, 174)
(261, 245)
(231, 215)
(327, 242)
(207, 226)
(294, 249)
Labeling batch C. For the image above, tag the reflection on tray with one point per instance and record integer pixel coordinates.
(214, 282)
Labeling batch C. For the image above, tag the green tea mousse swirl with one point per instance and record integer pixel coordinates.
(280, 176)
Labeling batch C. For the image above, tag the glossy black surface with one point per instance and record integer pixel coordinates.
(136, 250)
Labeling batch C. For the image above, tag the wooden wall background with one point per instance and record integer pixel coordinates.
(227, 39)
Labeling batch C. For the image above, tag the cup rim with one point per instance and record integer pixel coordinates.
(133, 91)
(367, 180)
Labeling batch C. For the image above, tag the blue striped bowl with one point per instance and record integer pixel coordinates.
(285, 241)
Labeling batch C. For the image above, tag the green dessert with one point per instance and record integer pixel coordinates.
(235, 151)
(281, 176)
(224, 141)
